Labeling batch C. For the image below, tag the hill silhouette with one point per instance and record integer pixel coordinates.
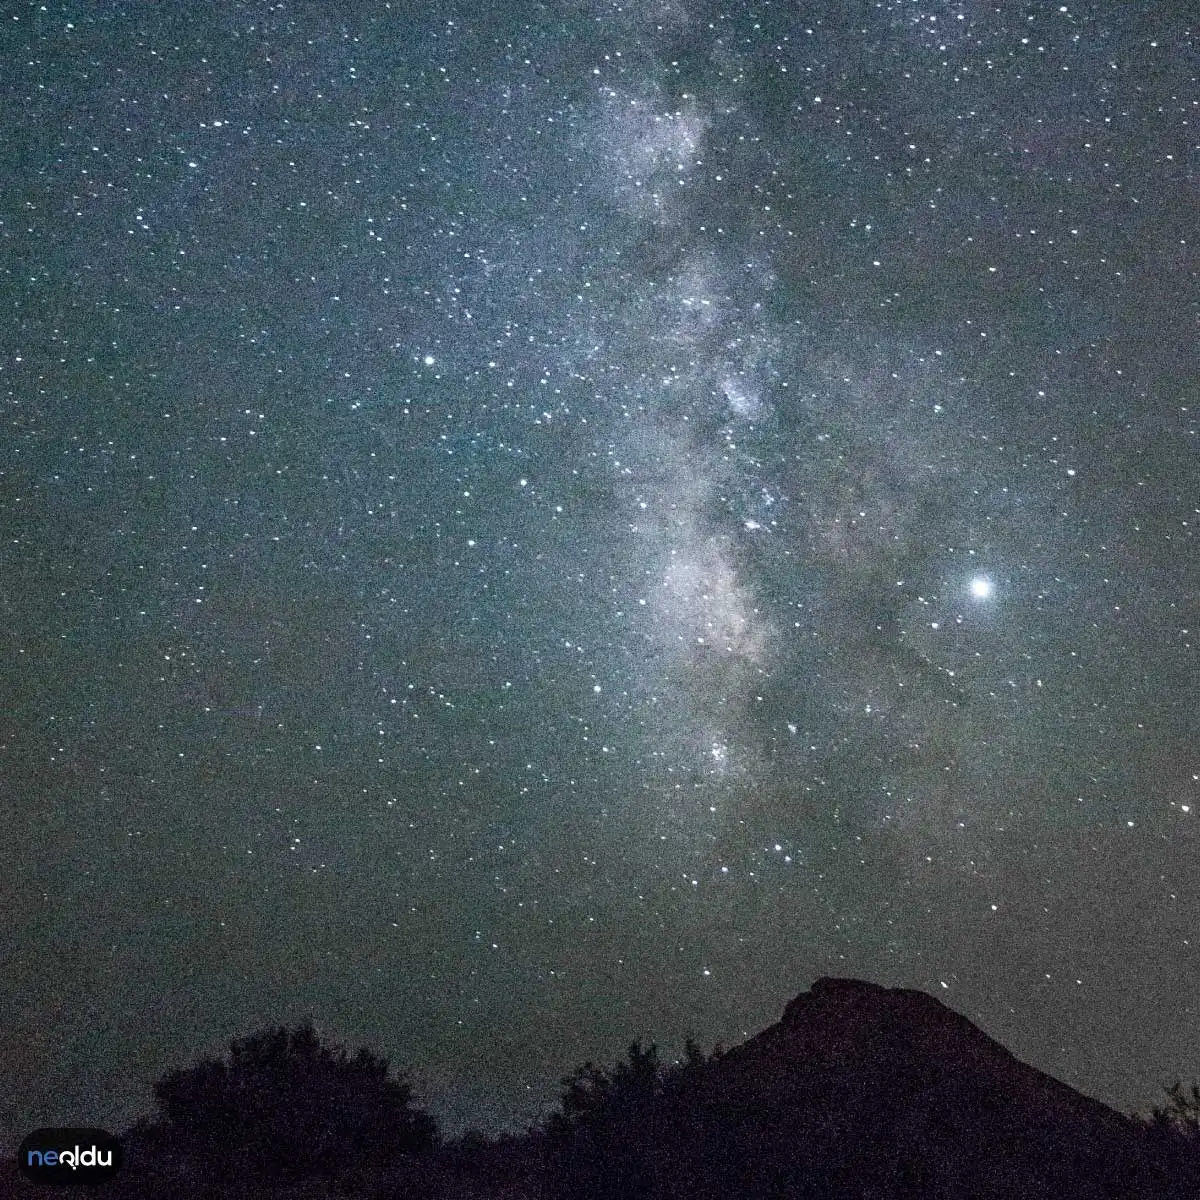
(860, 1091)
(865, 1091)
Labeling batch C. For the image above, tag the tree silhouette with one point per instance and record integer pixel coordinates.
(1181, 1113)
(285, 1107)
(593, 1096)
(606, 1131)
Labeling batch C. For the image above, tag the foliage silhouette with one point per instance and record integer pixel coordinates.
(1181, 1113)
(1176, 1127)
(624, 1131)
(285, 1107)
(604, 1135)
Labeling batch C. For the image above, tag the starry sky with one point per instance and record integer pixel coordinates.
(529, 525)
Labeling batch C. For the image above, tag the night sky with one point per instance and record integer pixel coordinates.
(524, 526)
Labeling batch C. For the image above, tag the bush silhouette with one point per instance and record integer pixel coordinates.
(615, 1134)
(1181, 1113)
(284, 1107)
(593, 1097)
(1175, 1130)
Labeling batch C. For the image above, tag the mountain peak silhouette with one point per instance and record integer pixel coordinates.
(866, 1090)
